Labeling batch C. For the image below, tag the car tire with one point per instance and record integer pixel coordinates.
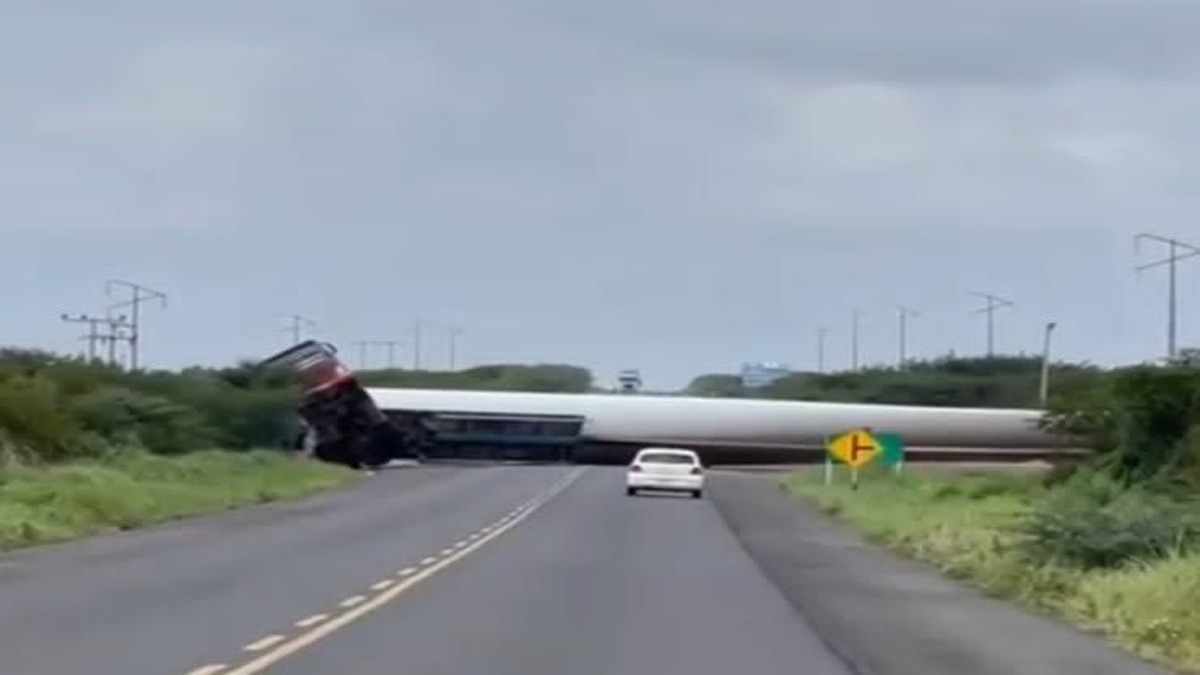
(630, 492)
(696, 494)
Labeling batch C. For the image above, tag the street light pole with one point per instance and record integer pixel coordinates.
(1044, 393)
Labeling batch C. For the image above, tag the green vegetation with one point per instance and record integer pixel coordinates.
(134, 488)
(1112, 543)
(86, 447)
(55, 408)
(997, 382)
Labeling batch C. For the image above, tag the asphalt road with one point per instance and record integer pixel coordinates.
(531, 570)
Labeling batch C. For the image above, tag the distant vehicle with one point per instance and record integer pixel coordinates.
(346, 426)
(668, 469)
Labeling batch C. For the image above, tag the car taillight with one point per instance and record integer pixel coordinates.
(635, 467)
(696, 471)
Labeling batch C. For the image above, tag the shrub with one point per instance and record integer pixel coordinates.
(1094, 521)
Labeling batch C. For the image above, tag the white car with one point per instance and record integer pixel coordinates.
(670, 469)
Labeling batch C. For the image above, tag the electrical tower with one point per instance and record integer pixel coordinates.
(1174, 255)
(138, 295)
(994, 302)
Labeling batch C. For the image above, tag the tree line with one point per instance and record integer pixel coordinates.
(55, 407)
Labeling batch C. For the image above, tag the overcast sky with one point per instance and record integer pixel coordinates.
(672, 185)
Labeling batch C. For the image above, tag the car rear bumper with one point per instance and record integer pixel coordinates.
(685, 483)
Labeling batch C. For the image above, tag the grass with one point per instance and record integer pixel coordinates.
(54, 503)
(964, 524)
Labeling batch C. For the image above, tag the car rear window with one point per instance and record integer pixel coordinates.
(666, 458)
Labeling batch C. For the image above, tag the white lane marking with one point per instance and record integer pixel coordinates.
(487, 529)
(264, 661)
(474, 536)
(460, 543)
(429, 561)
(447, 551)
(406, 571)
(382, 585)
(312, 620)
(352, 601)
(269, 641)
(211, 669)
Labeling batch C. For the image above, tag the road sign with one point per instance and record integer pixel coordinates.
(892, 447)
(855, 447)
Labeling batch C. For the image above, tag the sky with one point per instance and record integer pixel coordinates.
(678, 186)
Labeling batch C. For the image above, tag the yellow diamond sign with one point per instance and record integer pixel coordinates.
(854, 447)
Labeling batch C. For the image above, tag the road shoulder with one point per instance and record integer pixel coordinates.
(885, 615)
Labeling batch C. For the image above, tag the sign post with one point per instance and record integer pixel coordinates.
(858, 447)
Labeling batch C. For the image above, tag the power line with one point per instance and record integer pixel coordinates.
(1174, 256)
(994, 302)
(139, 294)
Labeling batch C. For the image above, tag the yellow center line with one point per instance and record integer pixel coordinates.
(298, 643)
(262, 644)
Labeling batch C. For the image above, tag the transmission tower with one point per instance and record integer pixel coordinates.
(994, 302)
(1174, 255)
(138, 295)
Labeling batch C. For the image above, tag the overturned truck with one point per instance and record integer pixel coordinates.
(345, 425)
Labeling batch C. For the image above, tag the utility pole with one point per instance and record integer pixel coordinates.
(822, 333)
(139, 294)
(903, 314)
(994, 302)
(1044, 390)
(417, 325)
(391, 347)
(1174, 255)
(453, 332)
(855, 315)
(297, 324)
(94, 337)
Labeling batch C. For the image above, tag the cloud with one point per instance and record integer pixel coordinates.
(177, 92)
(947, 41)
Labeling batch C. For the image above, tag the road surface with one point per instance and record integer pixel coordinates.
(530, 570)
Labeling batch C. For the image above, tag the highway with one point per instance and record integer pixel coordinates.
(536, 570)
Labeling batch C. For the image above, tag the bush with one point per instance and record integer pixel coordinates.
(1094, 521)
